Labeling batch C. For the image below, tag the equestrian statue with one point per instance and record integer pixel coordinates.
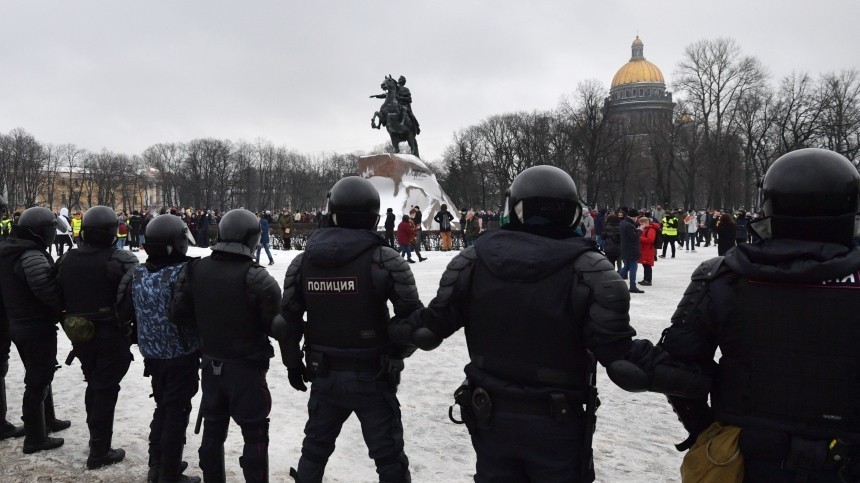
(396, 114)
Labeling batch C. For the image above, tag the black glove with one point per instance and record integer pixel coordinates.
(298, 377)
(694, 414)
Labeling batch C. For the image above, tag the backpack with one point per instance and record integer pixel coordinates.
(123, 229)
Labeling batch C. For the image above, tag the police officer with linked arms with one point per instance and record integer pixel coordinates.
(783, 313)
(32, 302)
(89, 278)
(343, 282)
(170, 353)
(231, 301)
(537, 300)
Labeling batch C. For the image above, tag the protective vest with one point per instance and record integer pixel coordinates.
(152, 293)
(5, 227)
(792, 362)
(20, 302)
(670, 226)
(76, 227)
(343, 308)
(539, 343)
(89, 290)
(227, 324)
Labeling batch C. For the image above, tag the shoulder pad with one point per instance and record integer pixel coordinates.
(124, 257)
(456, 266)
(708, 269)
(390, 259)
(463, 258)
(592, 262)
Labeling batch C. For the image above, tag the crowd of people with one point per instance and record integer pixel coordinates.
(541, 304)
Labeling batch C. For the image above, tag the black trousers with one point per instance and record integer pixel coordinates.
(174, 384)
(37, 347)
(61, 241)
(237, 391)
(669, 240)
(104, 362)
(526, 447)
(333, 399)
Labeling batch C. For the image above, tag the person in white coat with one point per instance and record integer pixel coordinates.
(64, 232)
(692, 222)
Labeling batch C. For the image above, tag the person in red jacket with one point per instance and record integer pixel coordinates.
(647, 238)
(405, 235)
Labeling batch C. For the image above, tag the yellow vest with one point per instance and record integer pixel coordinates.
(669, 230)
(76, 227)
(6, 226)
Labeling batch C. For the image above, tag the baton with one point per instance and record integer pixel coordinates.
(199, 419)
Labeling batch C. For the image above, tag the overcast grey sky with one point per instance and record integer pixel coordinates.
(124, 75)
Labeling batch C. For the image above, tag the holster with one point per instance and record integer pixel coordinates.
(463, 399)
(317, 364)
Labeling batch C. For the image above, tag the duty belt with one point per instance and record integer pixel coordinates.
(353, 364)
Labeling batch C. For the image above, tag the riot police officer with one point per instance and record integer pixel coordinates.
(32, 303)
(232, 300)
(784, 314)
(536, 300)
(170, 353)
(89, 278)
(343, 281)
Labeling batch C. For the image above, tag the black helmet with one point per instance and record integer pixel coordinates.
(37, 224)
(543, 195)
(99, 225)
(166, 235)
(238, 232)
(809, 194)
(353, 202)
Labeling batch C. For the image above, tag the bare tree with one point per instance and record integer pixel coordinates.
(715, 75)
(841, 112)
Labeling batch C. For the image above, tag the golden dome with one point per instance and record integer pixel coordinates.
(638, 69)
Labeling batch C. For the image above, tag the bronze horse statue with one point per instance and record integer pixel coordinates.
(395, 118)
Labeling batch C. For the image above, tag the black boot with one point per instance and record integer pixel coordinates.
(7, 429)
(51, 422)
(36, 436)
(152, 474)
(101, 454)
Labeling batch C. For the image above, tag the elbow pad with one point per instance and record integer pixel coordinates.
(425, 339)
(280, 328)
(665, 379)
(628, 376)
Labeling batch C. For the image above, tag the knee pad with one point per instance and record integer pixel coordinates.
(256, 432)
(215, 429)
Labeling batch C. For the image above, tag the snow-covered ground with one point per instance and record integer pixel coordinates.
(635, 432)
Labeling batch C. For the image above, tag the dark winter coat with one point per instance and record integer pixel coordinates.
(444, 218)
(630, 248)
(389, 221)
(726, 233)
(264, 231)
(741, 230)
(472, 228)
(612, 237)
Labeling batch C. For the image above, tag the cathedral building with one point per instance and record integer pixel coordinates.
(639, 109)
(638, 94)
